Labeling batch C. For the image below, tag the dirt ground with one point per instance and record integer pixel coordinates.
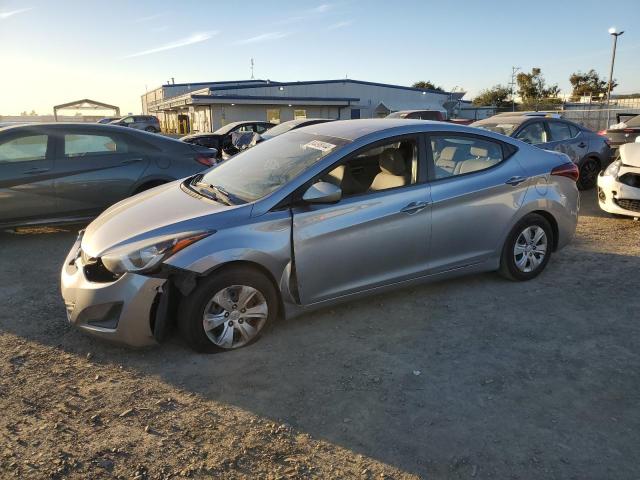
(470, 378)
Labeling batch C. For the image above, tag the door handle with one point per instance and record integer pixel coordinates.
(582, 144)
(131, 160)
(414, 207)
(516, 180)
(33, 171)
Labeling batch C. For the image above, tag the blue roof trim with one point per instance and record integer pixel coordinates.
(325, 82)
(272, 97)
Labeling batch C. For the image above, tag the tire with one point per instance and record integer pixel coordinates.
(589, 169)
(529, 263)
(150, 129)
(229, 322)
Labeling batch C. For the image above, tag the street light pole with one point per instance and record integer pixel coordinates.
(615, 36)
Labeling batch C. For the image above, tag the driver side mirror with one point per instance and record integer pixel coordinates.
(322, 192)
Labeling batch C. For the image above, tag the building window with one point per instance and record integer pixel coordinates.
(273, 115)
(299, 114)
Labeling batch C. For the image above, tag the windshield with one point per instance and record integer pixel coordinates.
(260, 170)
(396, 115)
(503, 128)
(226, 129)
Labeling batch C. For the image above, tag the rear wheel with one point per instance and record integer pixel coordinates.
(528, 248)
(589, 169)
(228, 310)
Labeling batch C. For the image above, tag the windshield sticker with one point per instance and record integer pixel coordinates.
(319, 145)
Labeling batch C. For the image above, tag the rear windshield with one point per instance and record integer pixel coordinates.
(503, 128)
(258, 171)
(279, 129)
(633, 122)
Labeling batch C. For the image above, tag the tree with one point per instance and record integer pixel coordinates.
(428, 85)
(533, 90)
(590, 83)
(496, 96)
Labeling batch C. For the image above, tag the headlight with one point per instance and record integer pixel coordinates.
(145, 258)
(613, 169)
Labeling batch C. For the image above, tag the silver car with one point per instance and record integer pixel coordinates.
(316, 216)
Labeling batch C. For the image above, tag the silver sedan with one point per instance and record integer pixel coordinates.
(319, 215)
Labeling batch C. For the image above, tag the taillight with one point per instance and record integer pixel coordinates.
(569, 170)
(602, 133)
(206, 161)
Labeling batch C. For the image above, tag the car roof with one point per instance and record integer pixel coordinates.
(98, 127)
(354, 129)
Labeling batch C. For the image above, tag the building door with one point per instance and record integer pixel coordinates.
(183, 124)
(355, 113)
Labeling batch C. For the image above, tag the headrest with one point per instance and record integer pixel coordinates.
(447, 153)
(479, 152)
(392, 162)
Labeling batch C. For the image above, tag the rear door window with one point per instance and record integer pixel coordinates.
(459, 154)
(26, 148)
(559, 131)
(83, 144)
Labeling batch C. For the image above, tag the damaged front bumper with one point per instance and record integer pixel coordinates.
(117, 309)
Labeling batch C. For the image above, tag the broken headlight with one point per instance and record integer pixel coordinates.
(147, 257)
(613, 169)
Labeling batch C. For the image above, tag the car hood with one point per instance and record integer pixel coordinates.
(157, 213)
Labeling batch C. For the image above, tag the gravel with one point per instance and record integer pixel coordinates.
(475, 377)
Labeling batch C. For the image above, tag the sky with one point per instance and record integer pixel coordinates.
(113, 51)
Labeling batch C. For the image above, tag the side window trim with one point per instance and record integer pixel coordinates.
(507, 149)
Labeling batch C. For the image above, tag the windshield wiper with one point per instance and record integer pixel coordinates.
(214, 192)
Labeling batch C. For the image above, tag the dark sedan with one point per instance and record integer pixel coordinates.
(221, 138)
(586, 148)
(54, 173)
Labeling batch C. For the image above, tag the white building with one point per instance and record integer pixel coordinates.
(204, 107)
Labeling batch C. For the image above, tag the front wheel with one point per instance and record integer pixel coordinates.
(150, 129)
(228, 310)
(528, 248)
(589, 169)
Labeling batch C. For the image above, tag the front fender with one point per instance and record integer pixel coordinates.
(265, 242)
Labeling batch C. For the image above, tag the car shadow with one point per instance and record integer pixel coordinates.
(434, 380)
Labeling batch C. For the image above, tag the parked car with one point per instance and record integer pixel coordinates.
(323, 214)
(108, 119)
(221, 138)
(435, 115)
(586, 148)
(627, 130)
(50, 173)
(619, 184)
(148, 123)
(284, 127)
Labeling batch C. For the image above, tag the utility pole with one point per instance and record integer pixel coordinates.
(252, 77)
(615, 35)
(514, 71)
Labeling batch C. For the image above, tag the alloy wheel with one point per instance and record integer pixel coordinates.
(588, 174)
(234, 316)
(530, 248)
